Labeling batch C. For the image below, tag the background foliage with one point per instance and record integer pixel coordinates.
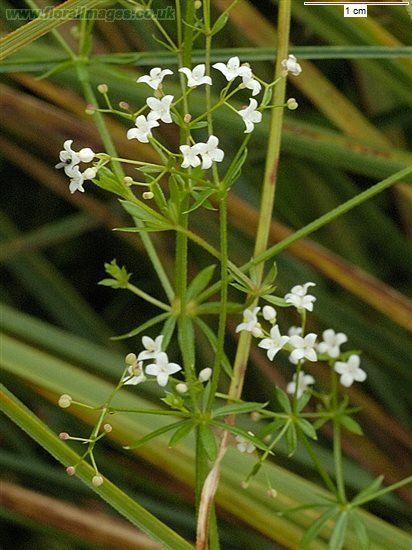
(353, 127)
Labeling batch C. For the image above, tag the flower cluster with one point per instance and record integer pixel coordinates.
(161, 109)
(160, 366)
(300, 346)
(70, 160)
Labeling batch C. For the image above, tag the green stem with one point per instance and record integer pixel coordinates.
(318, 465)
(337, 443)
(147, 297)
(315, 225)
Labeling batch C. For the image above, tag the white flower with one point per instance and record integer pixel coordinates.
(275, 343)
(295, 330)
(291, 65)
(231, 69)
(205, 374)
(304, 381)
(248, 81)
(331, 343)
(209, 152)
(190, 156)
(244, 445)
(77, 178)
(136, 375)
(160, 108)
(142, 132)
(250, 116)
(250, 322)
(196, 76)
(162, 369)
(155, 77)
(68, 157)
(298, 297)
(269, 314)
(350, 371)
(152, 348)
(304, 348)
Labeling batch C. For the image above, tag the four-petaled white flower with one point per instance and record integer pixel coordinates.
(248, 81)
(291, 65)
(269, 314)
(77, 178)
(209, 152)
(275, 343)
(70, 158)
(350, 371)
(155, 77)
(244, 445)
(250, 322)
(250, 115)
(304, 348)
(299, 298)
(304, 381)
(331, 343)
(190, 156)
(136, 375)
(231, 69)
(143, 129)
(196, 76)
(160, 108)
(162, 369)
(152, 348)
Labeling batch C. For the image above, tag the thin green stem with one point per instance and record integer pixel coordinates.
(147, 297)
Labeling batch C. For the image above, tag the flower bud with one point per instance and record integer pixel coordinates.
(187, 118)
(292, 104)
(124, 105)
(103, 88)
(205, 374)
(130, 358)
(198, 4)
(244, 484)
(65, 401)
(147, 195)
(128, 180)
(70, 470)
(272, 493)
(97, 480)
(107, 428)
(255, 416)
(86, 154)
(89, 173)
(90, 109)
(181, 388)
(64, 436)
(269, 313)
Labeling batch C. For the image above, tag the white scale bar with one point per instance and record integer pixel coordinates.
(358, 2)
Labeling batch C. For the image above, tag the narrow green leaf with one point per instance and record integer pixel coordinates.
(360, 531)
(243, 433)
(181, 432)
(200, 282)
(143, 327)
(208, 440)
(316, 527)
(369, 490)
(307, 428)
(168, 330)
(155, 433)
(350, 424)
(291, 439)
(241, 408)
(212, 339)
(339, 532)
(276, 300)
(283, 400)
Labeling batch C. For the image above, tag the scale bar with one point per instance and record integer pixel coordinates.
(405, 3)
